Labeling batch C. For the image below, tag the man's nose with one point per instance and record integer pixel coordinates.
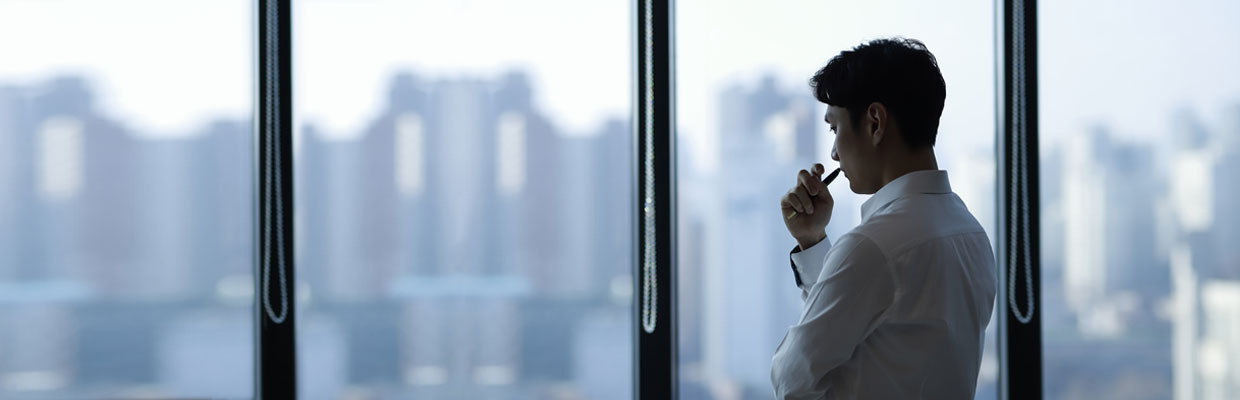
(835, 155)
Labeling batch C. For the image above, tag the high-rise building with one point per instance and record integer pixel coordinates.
(222, 172)
(11, 196)
(1226, 231)
(1084, 206)
(1111, 263)
(328, 236)
(767, 136)
(614, 176)
(1219, 346)
(113, 227)
(1201, 199)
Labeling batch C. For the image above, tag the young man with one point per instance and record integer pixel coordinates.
(896, 308)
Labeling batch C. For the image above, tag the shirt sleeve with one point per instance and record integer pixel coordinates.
(842, 306)
(807, 264)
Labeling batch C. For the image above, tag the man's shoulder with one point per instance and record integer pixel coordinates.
(911, 221)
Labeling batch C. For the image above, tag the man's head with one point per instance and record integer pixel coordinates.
(884, 99)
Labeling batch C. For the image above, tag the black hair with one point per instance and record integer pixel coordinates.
(900, 73)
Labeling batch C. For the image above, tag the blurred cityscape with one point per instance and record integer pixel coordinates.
(1141, 263)
(125, 263)
(491, 262)
(464, 246)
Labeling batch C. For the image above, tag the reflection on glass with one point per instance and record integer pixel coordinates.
(748, 122)
(1140, 143)
(465, 216)
(125, 200)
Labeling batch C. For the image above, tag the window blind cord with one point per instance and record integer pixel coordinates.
(650, 281)
(273, 154)
(1019, 182)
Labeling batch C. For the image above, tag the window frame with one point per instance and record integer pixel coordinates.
(275, 346)
(655, 352)
(1018, 254)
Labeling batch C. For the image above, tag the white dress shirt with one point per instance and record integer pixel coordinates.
(896, 308)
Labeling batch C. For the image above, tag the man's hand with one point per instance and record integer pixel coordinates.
(807, 207)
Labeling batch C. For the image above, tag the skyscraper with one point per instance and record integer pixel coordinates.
(1111, 263)
(1219, 346)
(767, 136)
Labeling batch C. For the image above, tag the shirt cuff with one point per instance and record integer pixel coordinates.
(807, 263)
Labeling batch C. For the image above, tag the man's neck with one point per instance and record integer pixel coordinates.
(916, 160)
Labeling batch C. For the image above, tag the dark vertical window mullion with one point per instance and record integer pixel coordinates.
(1019, 256)
(654, 375)
(275, 348)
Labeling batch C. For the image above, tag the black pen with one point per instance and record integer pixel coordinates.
(826, 181)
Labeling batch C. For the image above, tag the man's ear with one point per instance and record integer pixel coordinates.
(876, 116)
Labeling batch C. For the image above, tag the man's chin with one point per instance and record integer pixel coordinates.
(852, 185)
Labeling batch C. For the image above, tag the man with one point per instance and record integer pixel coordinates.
(895, 308)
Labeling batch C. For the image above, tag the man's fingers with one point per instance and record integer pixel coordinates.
(812, 183)
(806, 180)
(819, 186)
(790, 201)
(802, 195)
(824, 198)
(809, 185)
(803, 176)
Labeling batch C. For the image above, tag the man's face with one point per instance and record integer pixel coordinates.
(854, 150)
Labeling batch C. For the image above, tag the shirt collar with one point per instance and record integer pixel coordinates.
(916, 182)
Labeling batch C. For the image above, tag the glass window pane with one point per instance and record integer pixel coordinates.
(464, 198)
(748, 121)
(125, 199)
(1140, 149)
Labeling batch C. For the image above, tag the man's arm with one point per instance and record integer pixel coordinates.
(841, 308)
(807, 263)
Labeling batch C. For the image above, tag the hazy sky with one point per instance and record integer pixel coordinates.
(168, 66)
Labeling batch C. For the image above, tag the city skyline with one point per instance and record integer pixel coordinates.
(197, 39)
(391, 168)
(462, 172)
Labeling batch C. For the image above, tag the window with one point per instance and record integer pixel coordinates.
(1140, 144)
(464, 198)
(748, 122)
(465, 205)
(125, 199)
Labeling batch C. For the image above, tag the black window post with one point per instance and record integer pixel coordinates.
(275, 349)
(1019, 255)
(654, 374)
